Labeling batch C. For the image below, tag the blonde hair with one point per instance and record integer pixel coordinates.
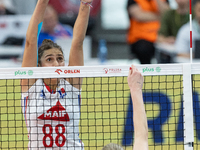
(112, 146)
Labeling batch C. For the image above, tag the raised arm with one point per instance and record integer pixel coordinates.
(30, 51)
(135, 82)
(80, 28)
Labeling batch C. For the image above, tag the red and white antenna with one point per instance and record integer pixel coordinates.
(191, 53)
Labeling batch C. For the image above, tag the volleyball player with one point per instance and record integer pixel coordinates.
(51, 106)
(135, 82)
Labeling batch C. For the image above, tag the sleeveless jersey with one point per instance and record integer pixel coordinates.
(52, 119)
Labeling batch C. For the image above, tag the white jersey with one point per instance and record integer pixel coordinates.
(52, 119)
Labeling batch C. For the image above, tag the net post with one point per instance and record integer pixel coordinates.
(188, 108)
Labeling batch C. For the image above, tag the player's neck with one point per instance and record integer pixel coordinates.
(51, 83)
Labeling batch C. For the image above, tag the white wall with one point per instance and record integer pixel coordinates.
(24, 6)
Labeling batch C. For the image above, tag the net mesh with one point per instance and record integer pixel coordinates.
(196, 110)
(105, 114)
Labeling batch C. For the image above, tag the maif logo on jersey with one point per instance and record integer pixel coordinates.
(57, 113)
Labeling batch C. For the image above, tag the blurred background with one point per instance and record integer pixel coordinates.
(108, 25)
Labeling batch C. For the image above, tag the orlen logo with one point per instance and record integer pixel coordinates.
(68, 71)
(116, 70)
(58, 71)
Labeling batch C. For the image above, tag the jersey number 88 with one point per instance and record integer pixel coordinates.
(48, 136)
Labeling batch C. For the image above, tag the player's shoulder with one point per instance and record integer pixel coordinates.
(37, 86)
(67, 86)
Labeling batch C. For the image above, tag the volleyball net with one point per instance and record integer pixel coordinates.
(170, 93)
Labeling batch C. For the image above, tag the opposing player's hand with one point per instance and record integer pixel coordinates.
(135, 79)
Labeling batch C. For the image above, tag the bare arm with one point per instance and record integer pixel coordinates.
(80, 28)
(30, 51)
(135, 82)
(137, 13)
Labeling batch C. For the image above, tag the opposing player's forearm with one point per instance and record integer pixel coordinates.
(140, 121)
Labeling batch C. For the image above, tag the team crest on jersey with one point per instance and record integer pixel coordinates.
(42, 94)
(62, 93)
(57, 113)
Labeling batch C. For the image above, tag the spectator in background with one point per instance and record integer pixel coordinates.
(182, 43)
(52, 29)
(6, 7)
(144, 25)
(172, 20)
(68, 11)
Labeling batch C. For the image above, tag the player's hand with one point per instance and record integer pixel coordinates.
(87, 1)
(135, 79)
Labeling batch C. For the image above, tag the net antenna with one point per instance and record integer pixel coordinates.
(191, 32)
